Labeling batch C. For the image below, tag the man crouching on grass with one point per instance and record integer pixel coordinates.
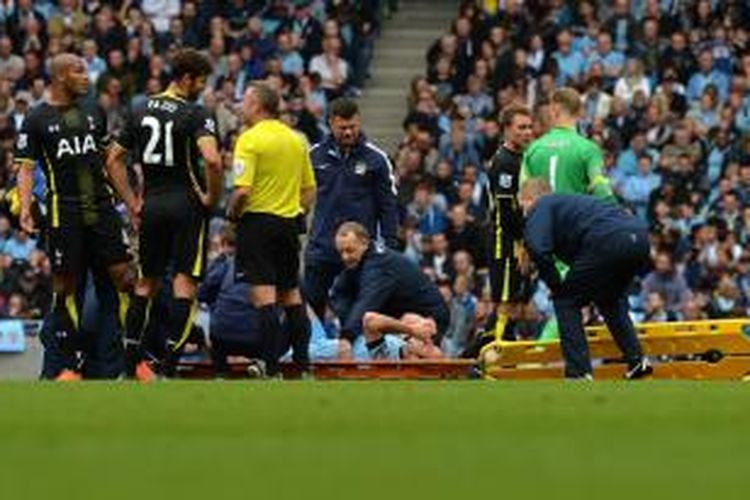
(382, 297)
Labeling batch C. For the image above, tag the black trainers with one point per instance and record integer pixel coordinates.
(640, 370)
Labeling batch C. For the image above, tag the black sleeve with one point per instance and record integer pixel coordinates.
(375, 287)
(342, 294)
(104, 136)
(202, 124)
(387, 203)
(126, 136)
(28, 143)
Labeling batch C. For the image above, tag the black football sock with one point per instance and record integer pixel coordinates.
(66, 330)
(136, 322)
(298, 328)
(181, 315)
(270, 331)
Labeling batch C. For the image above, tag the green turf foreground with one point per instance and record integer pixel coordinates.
(430, 440)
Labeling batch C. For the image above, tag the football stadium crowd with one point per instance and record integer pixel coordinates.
(666, 91)
(665, 85)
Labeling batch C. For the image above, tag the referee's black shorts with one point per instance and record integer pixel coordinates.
(268, 250)
(173, 231)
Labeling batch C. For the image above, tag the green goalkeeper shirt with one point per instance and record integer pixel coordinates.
(571, 163)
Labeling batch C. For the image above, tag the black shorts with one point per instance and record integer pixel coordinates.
(268, 251)
(75, 247)
(173, 230)
(507, 282)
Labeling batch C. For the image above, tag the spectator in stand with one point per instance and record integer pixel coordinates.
(20, 246)
(655, 309)
(667, 281)
(333, 70)
(707, 75)
(463, 305)
(570, 63)
(637, 189)
(12, 65)
(464, 234)
(633, 81)
(427, 210)
(611, 60)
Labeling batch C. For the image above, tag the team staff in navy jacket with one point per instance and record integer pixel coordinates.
(380, 290)
(604, 248)
(355, 182)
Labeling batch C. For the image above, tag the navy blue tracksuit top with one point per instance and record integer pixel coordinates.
(388, 283)
(566, 226)
(359, 187)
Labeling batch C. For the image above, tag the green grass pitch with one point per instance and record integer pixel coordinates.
(300, 440)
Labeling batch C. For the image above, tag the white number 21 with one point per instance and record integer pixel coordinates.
(150, 156)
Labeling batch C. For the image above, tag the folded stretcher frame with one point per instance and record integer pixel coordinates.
(710, 350)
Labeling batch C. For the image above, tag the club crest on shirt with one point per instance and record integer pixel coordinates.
(506, 181)
(360, 168)
(22, 141)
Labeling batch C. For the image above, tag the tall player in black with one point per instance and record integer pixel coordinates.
(170, 136)
(68, 138)
(506, 278)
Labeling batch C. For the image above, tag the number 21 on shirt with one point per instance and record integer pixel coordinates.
(150, 156)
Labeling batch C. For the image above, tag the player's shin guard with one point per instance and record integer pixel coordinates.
(270, 333)
(136, 322)
(298, 327)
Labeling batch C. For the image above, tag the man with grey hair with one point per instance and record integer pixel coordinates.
(382, 292)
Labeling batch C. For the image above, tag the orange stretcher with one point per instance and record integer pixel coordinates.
(352, 370)
(700, 350)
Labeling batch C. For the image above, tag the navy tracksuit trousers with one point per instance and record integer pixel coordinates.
(601, 273)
